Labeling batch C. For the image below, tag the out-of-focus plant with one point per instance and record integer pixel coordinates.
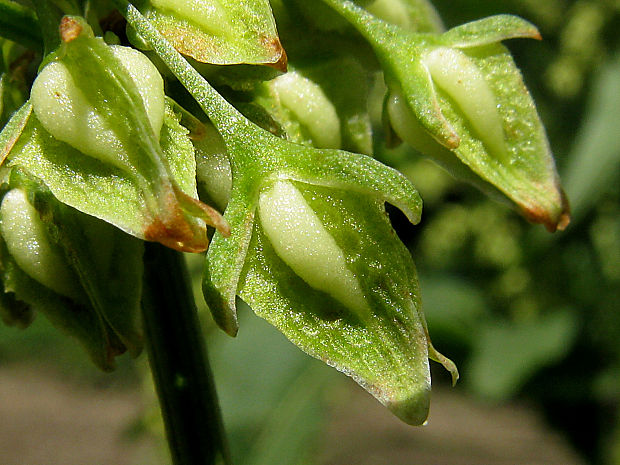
(106, 153)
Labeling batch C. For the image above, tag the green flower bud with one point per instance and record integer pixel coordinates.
(303, 243)
(83, 274)
(67, 114)
(303, 110)
(459, 98)
(28, 243)
(99, 133)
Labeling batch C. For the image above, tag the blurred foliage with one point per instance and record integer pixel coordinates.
(523, 313)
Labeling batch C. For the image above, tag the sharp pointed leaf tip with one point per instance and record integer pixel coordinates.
(553, 221)
(413, 409)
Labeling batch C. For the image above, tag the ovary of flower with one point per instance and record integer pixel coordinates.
(302, 242)
(27, 241)
(66, 114)
(456, 74)
(310, 105)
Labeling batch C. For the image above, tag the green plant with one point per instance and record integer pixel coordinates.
(99, 159)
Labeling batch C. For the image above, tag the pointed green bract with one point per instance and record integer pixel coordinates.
(220, 31)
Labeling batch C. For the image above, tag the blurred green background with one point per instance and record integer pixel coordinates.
(531, 319)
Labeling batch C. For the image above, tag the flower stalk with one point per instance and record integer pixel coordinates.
(179, 362)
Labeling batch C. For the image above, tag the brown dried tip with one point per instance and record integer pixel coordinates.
(557, 222)
(175, 236)
(278, 51)
(70, 29)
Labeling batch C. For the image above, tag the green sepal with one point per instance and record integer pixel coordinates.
(386, 349)
(105, 269)
(220, 31)
(224, 261)
(490, 30)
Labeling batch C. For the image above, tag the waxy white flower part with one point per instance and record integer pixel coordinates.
(299, 238)
(28, 242)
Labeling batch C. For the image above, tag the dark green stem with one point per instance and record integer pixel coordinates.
(19, 24)
(49, 22)
(179, 363)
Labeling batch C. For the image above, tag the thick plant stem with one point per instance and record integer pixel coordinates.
(179, 363)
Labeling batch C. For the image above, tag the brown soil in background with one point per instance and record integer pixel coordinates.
(45, 420)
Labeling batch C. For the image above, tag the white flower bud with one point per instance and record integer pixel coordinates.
(302, 242)
(27, 241)
(64, 111)
(311, 106)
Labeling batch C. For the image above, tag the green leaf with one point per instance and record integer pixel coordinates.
(220, 31)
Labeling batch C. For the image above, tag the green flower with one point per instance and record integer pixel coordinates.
(100, 134)
(311, 250)
(459, 98)
(83, 274)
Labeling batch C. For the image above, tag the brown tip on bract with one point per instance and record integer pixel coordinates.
(281, 64)
(558, 222)
(70, 29)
